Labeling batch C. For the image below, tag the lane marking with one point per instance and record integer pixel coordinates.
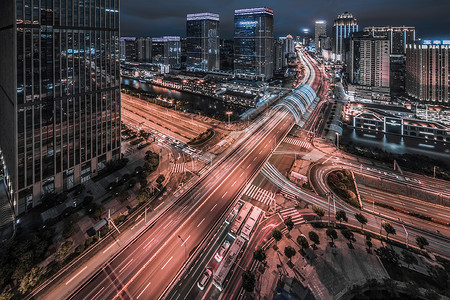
(149, 243)
(233, 183)
(213, 207)
(241, 175)
(167, 263)
(201, 222)
(107, 249)
(98, 293)
(140, 294)
(224, 194)
(182, 244)
(126, 265)
(71, 279)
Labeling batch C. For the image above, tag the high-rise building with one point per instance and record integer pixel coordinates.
(398, 36)
(343, 27)
(60, 95)
(320, 30)
(428, 71)
(369, 60)
(167, 50)
(278, 55)
(202, 44)
(144, 49)
(128, 48)
(253, 43)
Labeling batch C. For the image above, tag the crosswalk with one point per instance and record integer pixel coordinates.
(292, 212)
(261, 195)
(297, 142)
(178, 168)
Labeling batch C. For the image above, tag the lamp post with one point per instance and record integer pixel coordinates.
(229, 113)
(185, 249)
(337, 140)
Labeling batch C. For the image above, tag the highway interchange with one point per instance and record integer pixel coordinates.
(149, 265)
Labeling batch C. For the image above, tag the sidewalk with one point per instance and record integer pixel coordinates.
(329, 270)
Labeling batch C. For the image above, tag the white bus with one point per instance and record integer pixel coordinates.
(237, 223)
(251, 222)
(227, 263)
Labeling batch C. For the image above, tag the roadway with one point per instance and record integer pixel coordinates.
(144, 268)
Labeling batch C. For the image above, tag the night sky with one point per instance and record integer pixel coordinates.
(155, 18)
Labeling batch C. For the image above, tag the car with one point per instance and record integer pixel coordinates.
(204, 279)
(219, 255)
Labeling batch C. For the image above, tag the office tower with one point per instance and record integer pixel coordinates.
(167, 50)
(226, 55)
(428, 71)
(59, 96)
(202, 44)
(128, 48)
(144, 49)
(278, 55)
(398, 36)
(343, 26)
(253, 43)
(320, 30)
(369, 60)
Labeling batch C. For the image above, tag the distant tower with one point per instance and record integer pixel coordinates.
(202, 45)
(343, 26)
(320, 30)
(253, 46)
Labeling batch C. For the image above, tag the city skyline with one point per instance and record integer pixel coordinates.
(169, 18)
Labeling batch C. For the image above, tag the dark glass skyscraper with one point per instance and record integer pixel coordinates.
(202, 45)
(59, 95)
(343, 27)
(253, 43)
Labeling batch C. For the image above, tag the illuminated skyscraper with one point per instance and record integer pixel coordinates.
(60, 94)
(398, 36)
(202, 45)
(343, 27)
(320, 30)
(253, 43)
(428, 71)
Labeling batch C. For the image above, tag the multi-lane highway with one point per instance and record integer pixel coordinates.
(144, 268)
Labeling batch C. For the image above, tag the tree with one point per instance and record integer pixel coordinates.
(277, 235)
(332, 234)
(361, 219)
(30, 279)
(289, 252)
(369, 242)
(259, 254)
(303, 242)
(387, 255)
(432, 295)
(248, 281)
(289, 223)
(346, 233)
(388, 228)
(341, 216)
(408, 257)
(314, 237)
(421, 241)
(319, 211)
(160, 179)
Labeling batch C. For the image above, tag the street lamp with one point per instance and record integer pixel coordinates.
(229, 113)
(185, 249)
(337, 140)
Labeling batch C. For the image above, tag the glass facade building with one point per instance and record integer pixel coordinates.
(343, 27)
(253, 43)
(202, 42)
(167, 50)
(60, 95)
